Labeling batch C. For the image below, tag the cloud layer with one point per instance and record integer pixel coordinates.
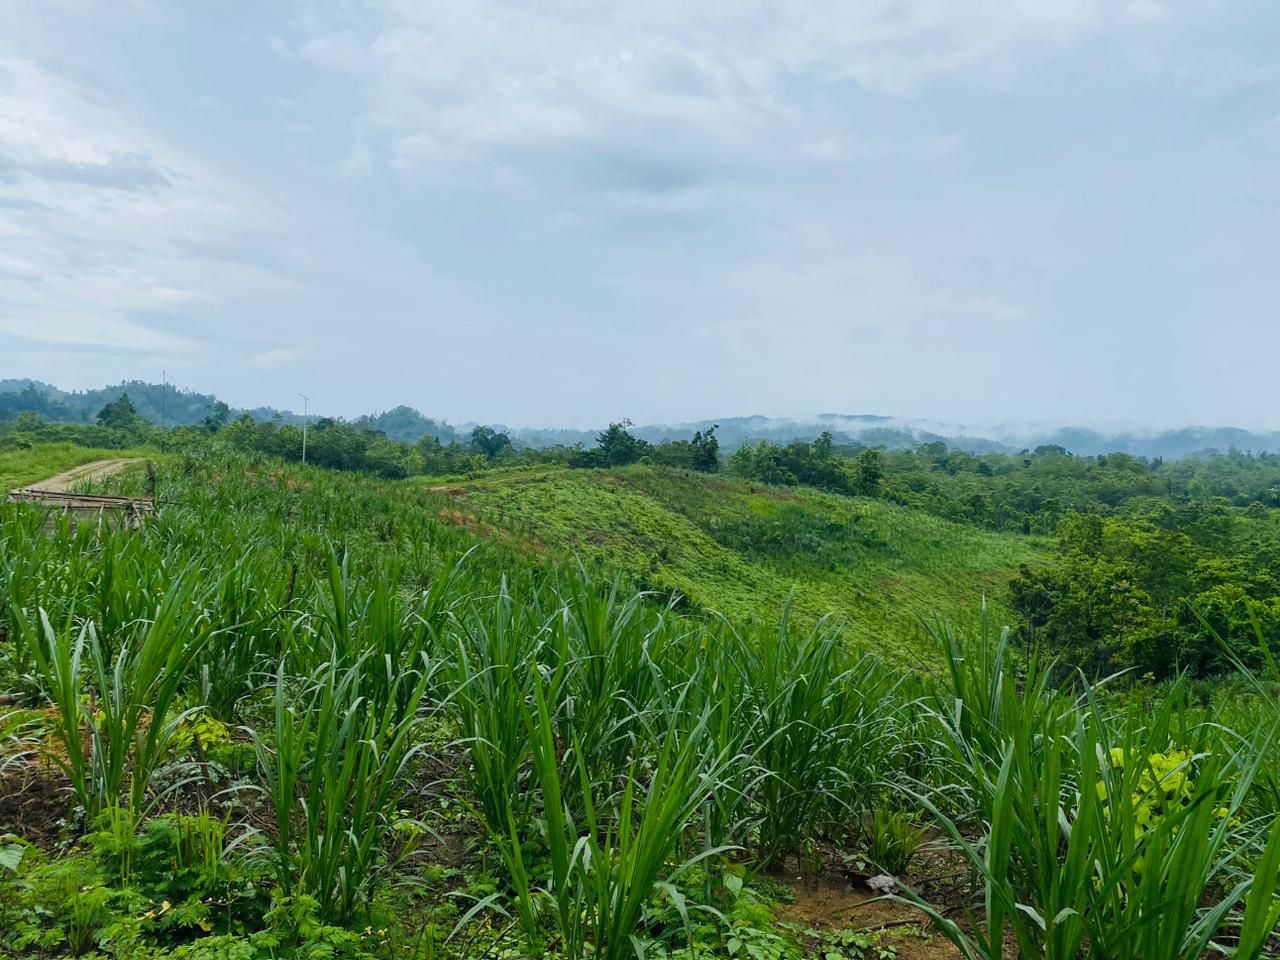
(564, 212)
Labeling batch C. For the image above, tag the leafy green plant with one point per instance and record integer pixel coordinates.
(60, 907)
(11, 853)
(893, 839)
(1075, 850)
(113, 743)
(334, 769)
(846, 944)
(604, 872)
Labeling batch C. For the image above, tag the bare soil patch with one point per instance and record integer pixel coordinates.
(828, 904)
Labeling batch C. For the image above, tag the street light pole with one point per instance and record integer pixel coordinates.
(305, 401)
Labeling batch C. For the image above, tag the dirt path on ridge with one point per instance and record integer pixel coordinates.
(96, 470)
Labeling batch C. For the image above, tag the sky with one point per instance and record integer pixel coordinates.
(562, 212)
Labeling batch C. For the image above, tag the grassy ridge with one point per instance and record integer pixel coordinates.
(743, 548)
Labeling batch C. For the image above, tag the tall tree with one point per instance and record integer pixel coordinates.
(617, 447)
(118, 414)
(489, 442)
(706, 456)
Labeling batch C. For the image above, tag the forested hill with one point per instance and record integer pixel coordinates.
(158, 403)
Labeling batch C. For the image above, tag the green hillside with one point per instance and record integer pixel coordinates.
(742, 549)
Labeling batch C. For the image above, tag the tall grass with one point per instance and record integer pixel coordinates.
(1090, 834)
(115, 722)
(606, 868)
(606, 741)
(494, 656)
(334, 769)
(796, 681)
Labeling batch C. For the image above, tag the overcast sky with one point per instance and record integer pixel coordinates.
(567, 211)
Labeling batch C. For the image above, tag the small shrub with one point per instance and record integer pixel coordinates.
(893, 840)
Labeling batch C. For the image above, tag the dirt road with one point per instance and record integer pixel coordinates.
(64, 482)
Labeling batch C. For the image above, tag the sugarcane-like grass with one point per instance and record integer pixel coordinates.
(370, 652)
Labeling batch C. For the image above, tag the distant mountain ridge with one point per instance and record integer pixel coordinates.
(895, 432)
(159, 403)
(179, 407)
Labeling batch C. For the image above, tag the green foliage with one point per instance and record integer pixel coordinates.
(745, 551)
(744, 927)
(490, 443)
(604, 872)
(11, 853)
(113, 744)
(893, 839)
(1122, 861)
(188, 862)
(1129, 593)
(493, 673)
(217, 417)
(799, 688)
(853, 945)
(334, 769)
(118, 414)
(702, 453)
(810, 464)
(632, 760)
(615, 447)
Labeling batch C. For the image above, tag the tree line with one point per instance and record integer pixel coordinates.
(358, 445)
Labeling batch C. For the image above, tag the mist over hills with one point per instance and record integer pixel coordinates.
(174, 406)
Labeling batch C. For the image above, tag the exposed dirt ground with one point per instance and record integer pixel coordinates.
(34, 801)
(828, 904)
(98, 469)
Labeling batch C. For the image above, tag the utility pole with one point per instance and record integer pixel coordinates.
(305, 401)
(164, 386)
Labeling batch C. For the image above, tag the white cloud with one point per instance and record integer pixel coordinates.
(658, 96)
(275, 358)
(104, 332)
(93, 208)
(768, 204)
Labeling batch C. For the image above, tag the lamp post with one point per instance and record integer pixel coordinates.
(305, 401)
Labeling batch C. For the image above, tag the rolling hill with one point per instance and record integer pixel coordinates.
(744, 549)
